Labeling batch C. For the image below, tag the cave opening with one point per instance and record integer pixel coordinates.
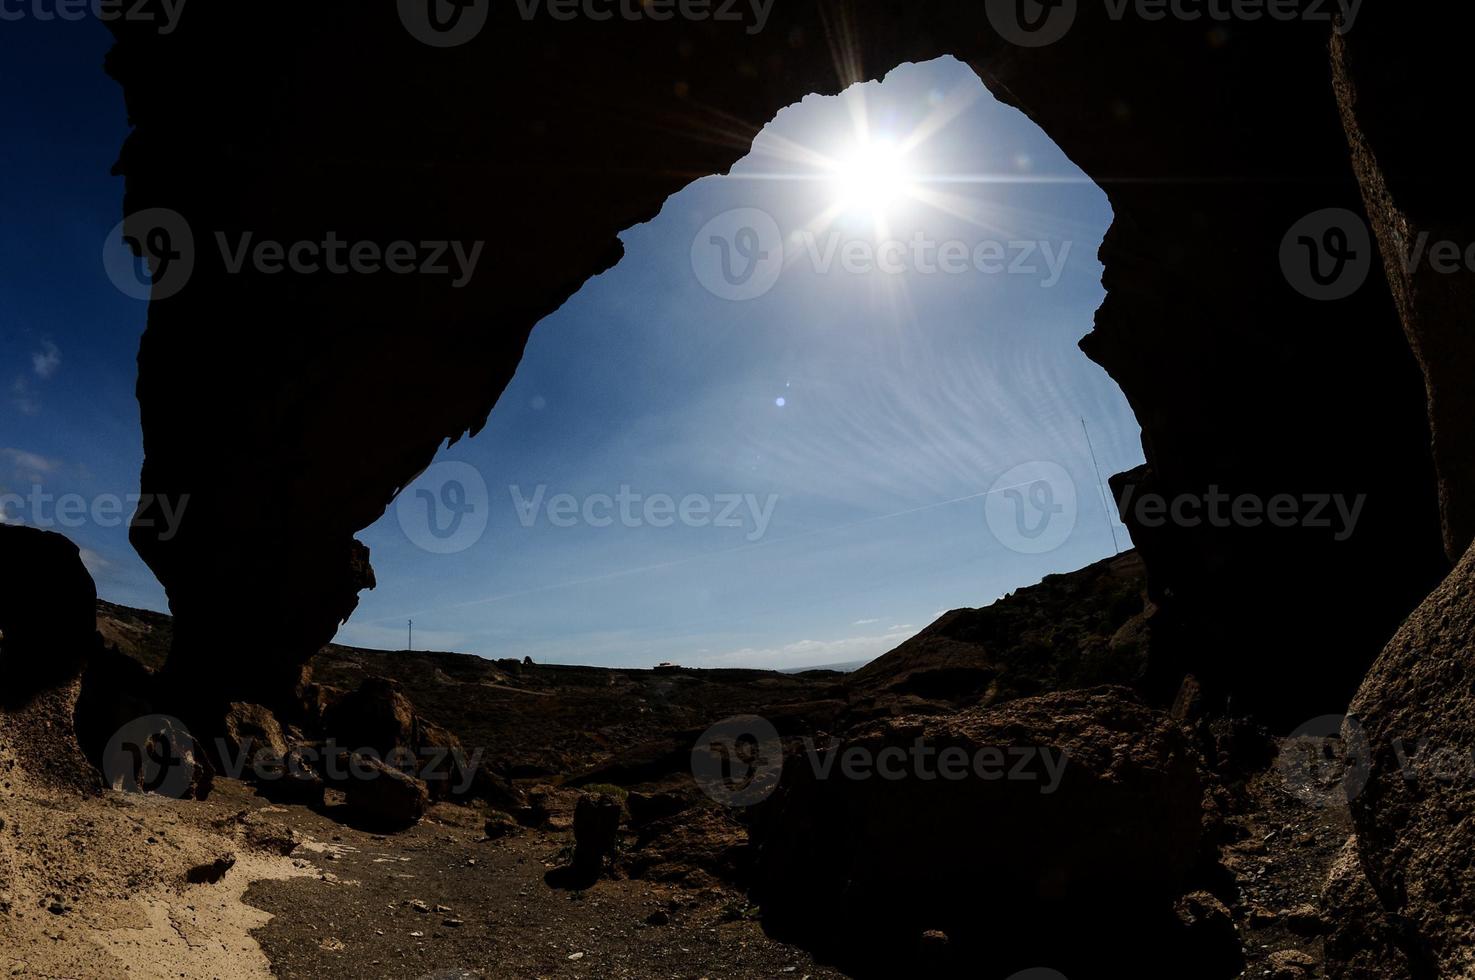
(821, 399)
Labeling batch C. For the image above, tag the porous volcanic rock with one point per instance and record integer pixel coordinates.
(1417, 725)
(1362, 944)
(860, 866)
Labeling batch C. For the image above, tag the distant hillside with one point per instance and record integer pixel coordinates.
(1072, 630)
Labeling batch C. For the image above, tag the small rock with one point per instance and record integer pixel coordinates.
(453, 923)
(576, 956)
(1291, 964)
(658, 918)
(1259, 917)
(419, 906)
(1304, 920)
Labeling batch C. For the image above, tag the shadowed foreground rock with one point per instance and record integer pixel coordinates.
(1414, 833)
(48, 611)
(1007, 853)
(379, 795)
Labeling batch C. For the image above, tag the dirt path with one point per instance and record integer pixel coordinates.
(357, 917)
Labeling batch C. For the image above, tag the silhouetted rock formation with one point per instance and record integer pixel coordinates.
(990, 825)
(1399, 84)
(48, 612)
(1210, 144)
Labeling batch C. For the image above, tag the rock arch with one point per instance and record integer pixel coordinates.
(291, 409)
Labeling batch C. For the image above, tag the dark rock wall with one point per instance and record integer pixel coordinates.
(293, 408)
(1404, 98)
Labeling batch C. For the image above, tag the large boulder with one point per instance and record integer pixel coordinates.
(378, 719)
(375, 716)
(995, 826)
(48, 611)
(1415, 720)
(254, 747)
(377, 794)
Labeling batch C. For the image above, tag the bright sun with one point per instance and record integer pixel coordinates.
(872, 177)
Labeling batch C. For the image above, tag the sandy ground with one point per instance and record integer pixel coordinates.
(92, 885)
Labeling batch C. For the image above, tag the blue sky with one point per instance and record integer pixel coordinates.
(856, 417)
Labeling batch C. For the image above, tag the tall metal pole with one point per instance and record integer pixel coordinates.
(1101, 486)
(411, 644)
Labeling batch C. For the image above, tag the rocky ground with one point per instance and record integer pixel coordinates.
(595, 853)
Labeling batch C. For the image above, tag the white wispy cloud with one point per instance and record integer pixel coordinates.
(93, 562)
(809, 653)
(46, 361)
(864, 622)
(28, 465)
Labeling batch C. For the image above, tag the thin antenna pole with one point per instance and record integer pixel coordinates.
(1101, 486)
(411, 643)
